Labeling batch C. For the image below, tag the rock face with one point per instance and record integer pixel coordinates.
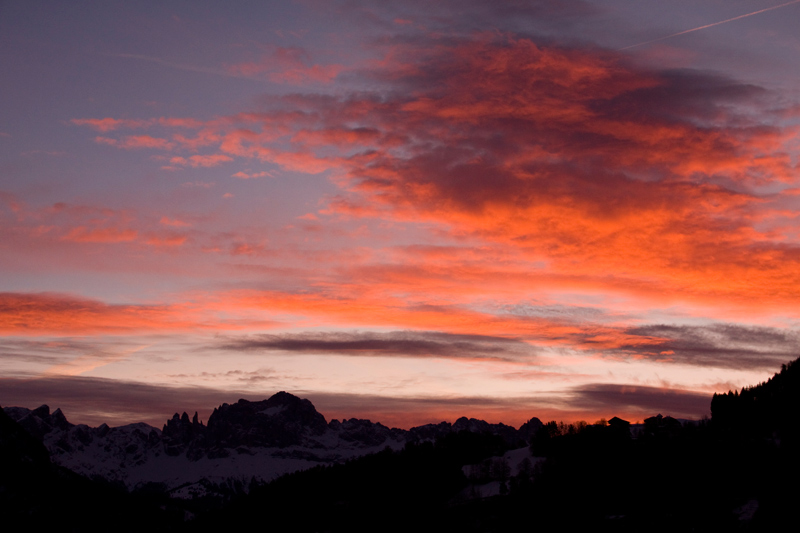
(241, 442)
(281, 421)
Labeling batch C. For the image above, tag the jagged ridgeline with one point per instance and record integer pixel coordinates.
(281, 421)
(280, 463)
(241, 443)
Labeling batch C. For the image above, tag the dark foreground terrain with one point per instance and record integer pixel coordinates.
(737, 471)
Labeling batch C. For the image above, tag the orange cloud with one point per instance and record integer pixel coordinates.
(47, 313)
(347, 309)
(65, 314)
(614, 176)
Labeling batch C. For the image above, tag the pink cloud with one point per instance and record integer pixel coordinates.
(136, 142)
(108, 124)
(212, 160)
(111, 124)
(243, 248)
(173, 239)
(100, 235)
(288, 65)
(11, 201)
(245, 175)
(173, 222)
(63, 224)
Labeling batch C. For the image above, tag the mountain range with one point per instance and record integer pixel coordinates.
(241, 443)
(280, 464)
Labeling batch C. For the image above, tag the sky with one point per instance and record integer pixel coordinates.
(406, 211)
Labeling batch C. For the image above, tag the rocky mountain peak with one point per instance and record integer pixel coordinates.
(280, 421)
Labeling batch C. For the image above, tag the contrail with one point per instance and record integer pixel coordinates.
(711, 25)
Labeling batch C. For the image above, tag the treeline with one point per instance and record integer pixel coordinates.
(404, 490)
(767, 410)
(727, 473)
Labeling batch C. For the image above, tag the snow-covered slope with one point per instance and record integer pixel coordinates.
(243, 441)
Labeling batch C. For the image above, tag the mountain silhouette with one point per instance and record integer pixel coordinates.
(280, 458)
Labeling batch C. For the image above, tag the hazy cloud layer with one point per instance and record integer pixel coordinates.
(719, 345)
(642, 399)
(395, 343)
(95, 401)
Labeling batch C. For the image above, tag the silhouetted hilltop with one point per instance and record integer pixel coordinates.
(769, 409)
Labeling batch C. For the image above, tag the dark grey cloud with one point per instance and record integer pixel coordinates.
(703, 97)
(394, 343)
(720, 345)
(653, 400)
